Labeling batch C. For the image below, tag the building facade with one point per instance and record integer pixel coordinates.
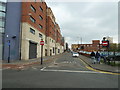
(2, 22)
(33, 29)
(34, 22)
(54, 37)
(50, 32)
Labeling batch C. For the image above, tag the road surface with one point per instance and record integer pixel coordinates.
(64, 72)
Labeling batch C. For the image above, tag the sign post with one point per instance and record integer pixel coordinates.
(9, 51)
(41, 43)
(105, 44)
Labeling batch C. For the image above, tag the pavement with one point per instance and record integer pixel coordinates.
(19, 64)
(101, 66)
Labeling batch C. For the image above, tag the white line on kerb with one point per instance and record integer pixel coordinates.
(69, 71)
(42, 68)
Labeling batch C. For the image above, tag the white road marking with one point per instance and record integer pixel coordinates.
(53, 66)
(74, 62)
(42, 68)
(5, 68)
(21, 67)
(34, 68)
(69, 71)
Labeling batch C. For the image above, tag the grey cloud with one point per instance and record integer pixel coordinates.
(87, 20)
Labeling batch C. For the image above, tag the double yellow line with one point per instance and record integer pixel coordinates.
(100, 71)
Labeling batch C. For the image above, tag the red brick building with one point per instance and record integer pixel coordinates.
(39, 18)
(35, 14)
(50, 28)
(96, 46)
(58, 34)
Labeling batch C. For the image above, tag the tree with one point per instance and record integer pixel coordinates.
(113, 47)
(118, 47)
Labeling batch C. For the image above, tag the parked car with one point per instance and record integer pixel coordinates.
(75, 54)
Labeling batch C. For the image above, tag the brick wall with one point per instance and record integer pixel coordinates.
(27, 12)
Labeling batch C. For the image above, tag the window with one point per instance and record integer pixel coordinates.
(2, 24)
(98, 45)
(40, 26)
(53, 50)
(32, 19)
(32, 31)
(40, 35)
(58, 50)
(2, 14)
(33, 9)
(41, 9)
(41, 18)
(2, 8)
(1, 30)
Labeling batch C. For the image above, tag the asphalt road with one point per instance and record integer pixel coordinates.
(64, 72)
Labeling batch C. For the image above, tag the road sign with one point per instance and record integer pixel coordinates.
(8, 42)
(105, 43)
(41, 42)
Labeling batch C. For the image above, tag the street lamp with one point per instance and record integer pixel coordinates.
(9, 42)
(8, 49)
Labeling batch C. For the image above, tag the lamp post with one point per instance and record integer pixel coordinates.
(8, 42)
(9, 51)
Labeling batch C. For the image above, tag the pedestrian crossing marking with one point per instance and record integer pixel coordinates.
(43, 68)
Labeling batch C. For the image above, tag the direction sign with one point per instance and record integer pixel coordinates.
(41, 42)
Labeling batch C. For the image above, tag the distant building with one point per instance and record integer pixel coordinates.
(87, 47)
(2, 22)
(67, 47)
(62, 44)
(110, 39)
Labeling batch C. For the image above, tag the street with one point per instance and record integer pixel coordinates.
(64, 72)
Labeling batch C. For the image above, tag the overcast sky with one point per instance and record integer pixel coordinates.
(86, 20)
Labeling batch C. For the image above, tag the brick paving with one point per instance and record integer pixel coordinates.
(20, 64)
